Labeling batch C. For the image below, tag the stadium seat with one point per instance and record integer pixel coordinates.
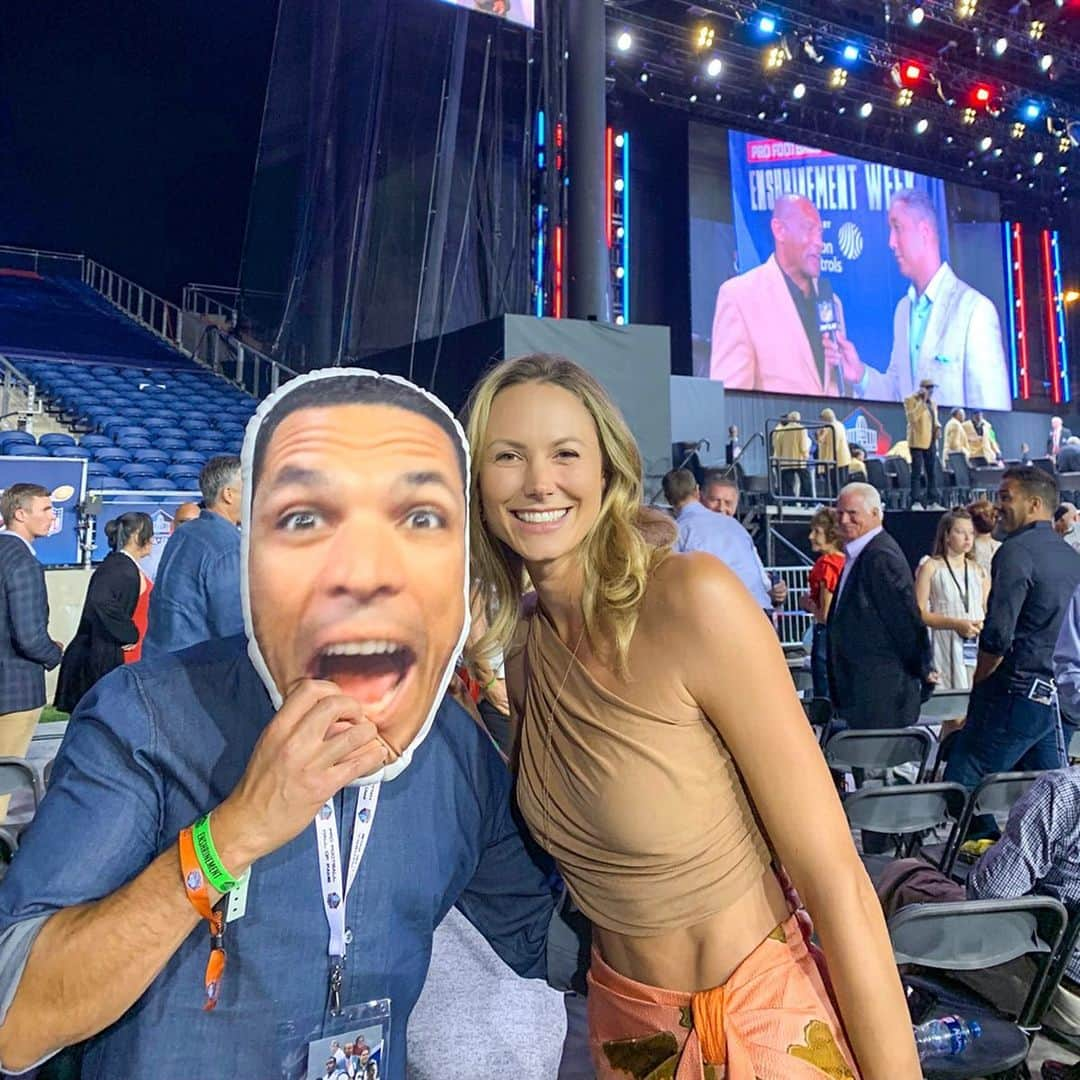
(9, 438)
(92, 441)
(170, 444)
(149, 454)
(56, 439)
(160, 483)
(71, 452)
(111, 453)
(25, 450)
(188, 457)
(111, 483)
(183, 472)
(133, 470)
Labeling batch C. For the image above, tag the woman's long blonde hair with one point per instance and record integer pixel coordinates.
(620, 550)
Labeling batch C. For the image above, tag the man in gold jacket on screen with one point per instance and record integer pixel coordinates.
(766, 332)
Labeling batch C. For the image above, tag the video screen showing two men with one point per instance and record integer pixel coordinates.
(820, 275)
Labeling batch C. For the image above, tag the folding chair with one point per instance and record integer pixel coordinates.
(1058, 968)
(944, 705)
(17, 774)
(819, 712)
(905, 813)
(996, 794)
(880, 748)
(973, 935)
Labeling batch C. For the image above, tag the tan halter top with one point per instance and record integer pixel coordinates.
(646, 817)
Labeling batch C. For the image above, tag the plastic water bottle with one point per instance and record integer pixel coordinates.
(945, 1037)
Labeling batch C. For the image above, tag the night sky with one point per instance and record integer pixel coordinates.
(129, 131)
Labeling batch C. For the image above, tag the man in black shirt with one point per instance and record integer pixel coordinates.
(1012, 720)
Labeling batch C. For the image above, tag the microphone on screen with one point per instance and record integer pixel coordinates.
(828, 323)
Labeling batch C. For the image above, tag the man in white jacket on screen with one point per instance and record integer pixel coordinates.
(943, 329)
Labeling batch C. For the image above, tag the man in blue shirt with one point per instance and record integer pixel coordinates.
(354, 559)
(718, 534)
(196, 593)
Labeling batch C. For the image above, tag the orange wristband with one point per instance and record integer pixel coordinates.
(195, 887)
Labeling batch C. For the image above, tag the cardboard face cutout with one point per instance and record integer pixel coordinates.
(355, 547)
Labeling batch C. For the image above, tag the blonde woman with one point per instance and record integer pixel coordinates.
(657, 725)
(951, 589)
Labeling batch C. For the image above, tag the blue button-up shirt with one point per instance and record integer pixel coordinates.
(196, 593)
(154, 745)
(706, 530)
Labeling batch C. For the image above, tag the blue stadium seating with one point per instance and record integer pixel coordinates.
(160, 483)
(25, 450)
(56, 439)
(70, 451)
(152, 454)
(110, 483)
(10, 438)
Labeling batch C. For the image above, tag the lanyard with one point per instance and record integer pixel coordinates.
(965, 593)
(335, 892)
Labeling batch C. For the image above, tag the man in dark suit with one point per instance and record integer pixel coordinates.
(879, 651)
(26, 650)
(1057, 437)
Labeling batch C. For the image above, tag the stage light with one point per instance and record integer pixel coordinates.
(981, 94)
(865, 109)
(693, 99)
(1035, 29)
(619, 184)
(985, 143)
(706, 35)
(968, 115)
(1017, 130)
(921, 126)
(714, 67)
(624, 42)
(911, 72)
(766, 25)
(1037, 157)
(1064, 145)
(619, 272)
(1032, 111)
(966, 8)
(850, 54)
(999, 46)
(1046, 61)
(774, 58)
(1071, 296)
(916, 16)
(644, 76)
(905, 97)
(837, 78)
(798, 91)
(998, 151)
(620, 139)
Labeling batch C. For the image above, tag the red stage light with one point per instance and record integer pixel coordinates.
(982, 94)
(912, 72)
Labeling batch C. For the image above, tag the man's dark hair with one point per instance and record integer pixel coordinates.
(679, 485)
(355, 390)
(719, 476)
(1034, 483)
(217, 474)
(19, 497)
(1061, 511)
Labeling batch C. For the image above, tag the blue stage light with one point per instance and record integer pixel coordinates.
(850, 54)
(1032, 110)
(766, 24)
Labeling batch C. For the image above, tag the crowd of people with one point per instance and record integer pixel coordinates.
(293, 697)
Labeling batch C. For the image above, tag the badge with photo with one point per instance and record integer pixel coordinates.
(354, 1044)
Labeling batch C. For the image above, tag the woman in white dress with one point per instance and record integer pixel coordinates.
(951, 589)
(984, 517)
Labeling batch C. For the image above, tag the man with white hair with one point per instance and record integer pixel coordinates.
(879, 652)
(833, 446)
(1068, 457)
(944, 331)
(1059, 435)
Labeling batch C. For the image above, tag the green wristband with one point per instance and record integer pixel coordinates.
(216, 875)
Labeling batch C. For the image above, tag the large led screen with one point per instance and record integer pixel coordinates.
(815, 274)
(519, 11)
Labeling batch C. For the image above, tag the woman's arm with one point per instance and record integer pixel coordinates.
(825, 604)
(742, 684)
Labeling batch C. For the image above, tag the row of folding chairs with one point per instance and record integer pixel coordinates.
(19, 775)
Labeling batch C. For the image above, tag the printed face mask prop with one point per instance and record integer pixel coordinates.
(355, 546)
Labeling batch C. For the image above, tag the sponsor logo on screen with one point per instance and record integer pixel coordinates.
(850, 241)
(866, 430)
